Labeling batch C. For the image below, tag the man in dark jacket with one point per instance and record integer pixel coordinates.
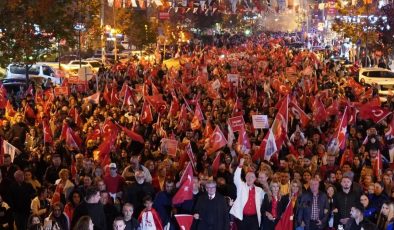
(357, 220)
(130, 221)
(92, 208)
(52, 172)
(135, 192)
(163, 203)
(20, 199)
(344, 200)
(5, 130)
(18, 133)
(313, 208)
(211, 212)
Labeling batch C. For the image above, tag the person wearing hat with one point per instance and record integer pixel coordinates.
(357, 220)
(114, 182)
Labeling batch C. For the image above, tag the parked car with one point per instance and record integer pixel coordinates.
(384, 78)
(16, 71)
(73, 66)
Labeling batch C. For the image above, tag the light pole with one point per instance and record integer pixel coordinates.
(102, 31)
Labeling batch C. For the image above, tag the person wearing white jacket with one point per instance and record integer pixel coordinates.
(246, 207)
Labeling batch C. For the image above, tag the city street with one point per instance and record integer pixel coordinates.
(208, 115)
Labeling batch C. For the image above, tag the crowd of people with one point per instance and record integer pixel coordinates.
(98, 157)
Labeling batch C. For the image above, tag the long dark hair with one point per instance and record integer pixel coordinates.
(83, 223)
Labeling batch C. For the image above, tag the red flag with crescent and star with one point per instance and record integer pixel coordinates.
(341, 130)
(390, 131)
(375, 113)
(185, 221)
(146, 114)
(296, 111)
(47, 132)
(185, 191)
(216, 141)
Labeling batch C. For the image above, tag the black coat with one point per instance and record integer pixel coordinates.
(365, 224)
(96, 213)
(135, 193)
(267, 207)
(214, 214)
(20, 197)
(18, 135)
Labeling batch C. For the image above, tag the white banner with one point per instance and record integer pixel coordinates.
(260, 121)
(10, 149)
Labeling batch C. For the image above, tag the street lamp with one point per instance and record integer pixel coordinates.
(146, 33)
(113, 34)
(79, 27)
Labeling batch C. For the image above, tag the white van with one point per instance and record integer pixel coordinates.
(384, 78)
(15, 71)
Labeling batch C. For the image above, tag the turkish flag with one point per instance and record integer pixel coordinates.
(109, 129)
(74, 114)
(357, 88)
(109, 134)
(174, 108)
(63, 134)
(107, 95)
(128, 97)
(286, 220)
(133, 135)
(198, 113)
(375, 113)
(182, 118)
(3, 96)
(70, 141)
(215, 164)
(185, 191)
(94, 134)
(146, 114)
(274, 139)
(390, 131)
(47, 132)
(208, 129)
(279, 126)
(157, 102)
(94, 98)
(216, 141)
(319, 112)
(38, 98)
(296, 111)
(341, 131)
(196, 123)
(243, 139)
(29, 91)
(9, 109)
(155, 90)
(185, 221)
(212, 93)
(190, 154)
(103, 150)
(123, 90)
(197, 118)
(29, 112)
(238, 108)
(284, 89)
(114, 96)
(333, 109)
